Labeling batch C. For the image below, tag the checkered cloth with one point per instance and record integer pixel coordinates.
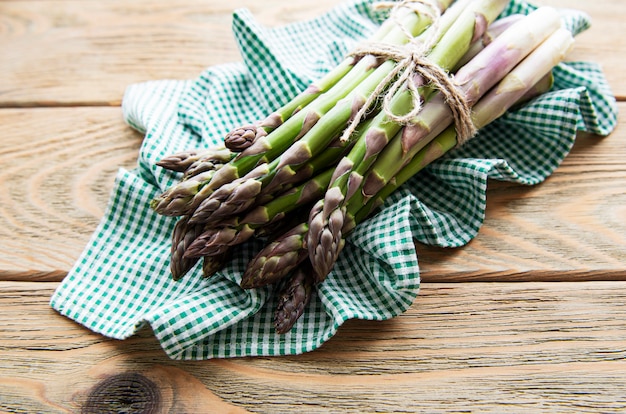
(122, 282)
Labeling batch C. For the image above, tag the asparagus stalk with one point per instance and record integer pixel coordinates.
(197, 167)
(212, 264)
(277, 259)
(181, 198)
(183, 235)
(230, 197)
(303, 194)
(281, 179)
(294, 296)
(205, 164)
(215, 241)
(494, 30)
(543, 86)
(244, 136)
(181, 161)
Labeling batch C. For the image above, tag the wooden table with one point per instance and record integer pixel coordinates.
(529, 317)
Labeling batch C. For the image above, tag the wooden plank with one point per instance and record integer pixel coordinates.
(54, 191)
(54, 53)
(58, 171)
(483, 347)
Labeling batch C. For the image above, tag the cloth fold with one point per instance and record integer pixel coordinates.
(121, 281)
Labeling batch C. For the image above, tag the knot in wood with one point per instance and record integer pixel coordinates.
(127, 393)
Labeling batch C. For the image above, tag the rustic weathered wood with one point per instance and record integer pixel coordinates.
(54, 53)
(479, 347)
(461, 347)
(58, 168)
(572, 227)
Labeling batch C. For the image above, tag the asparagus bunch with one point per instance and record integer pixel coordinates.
(299, 181)
(473, 80)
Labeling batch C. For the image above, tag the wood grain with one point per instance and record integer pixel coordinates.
(483, 347)
(487, 346)
(54, 188)
(53, 193)
(56, 54)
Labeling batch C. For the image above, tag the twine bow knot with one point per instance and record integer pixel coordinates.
(413, 69)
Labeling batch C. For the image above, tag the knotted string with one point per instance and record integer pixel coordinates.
(413, 68)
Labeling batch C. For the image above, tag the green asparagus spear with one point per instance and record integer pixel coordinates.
(294, 296)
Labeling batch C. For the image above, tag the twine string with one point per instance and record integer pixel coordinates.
(413, 69)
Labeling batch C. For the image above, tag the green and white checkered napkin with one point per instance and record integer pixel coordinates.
(122, 281)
